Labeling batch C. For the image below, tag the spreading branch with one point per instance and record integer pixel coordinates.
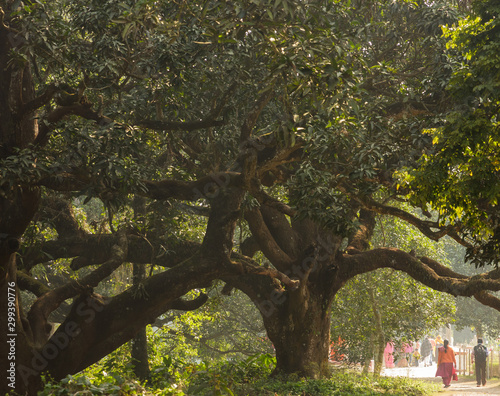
(431, 229)
(424, 270)
(208, 122)
(51, 300)
(40, 100)
(251, 268)
(265, 199)
(28, 283)
(488, 300)
(83, 110)
(60, 213)
(205, 187)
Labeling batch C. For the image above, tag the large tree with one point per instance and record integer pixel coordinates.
(284, 120)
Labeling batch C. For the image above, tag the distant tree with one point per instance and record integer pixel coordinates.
(471, 314)
(223, 328)
(389, 306)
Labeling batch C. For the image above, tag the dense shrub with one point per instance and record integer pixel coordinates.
(250, 377)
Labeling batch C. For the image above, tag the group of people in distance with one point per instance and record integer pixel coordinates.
(447, 363)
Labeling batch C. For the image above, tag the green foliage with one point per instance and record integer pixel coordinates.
(459, 177)
(470, 313)
(315, 199)
(18, 169)
(225, 328)
(248, 377)
(225, 378)
(341, 384)
(105, 385)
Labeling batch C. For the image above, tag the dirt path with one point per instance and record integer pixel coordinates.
(468, 386)
(465, 386)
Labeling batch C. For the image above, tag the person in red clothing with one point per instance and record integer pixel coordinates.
(446, 363)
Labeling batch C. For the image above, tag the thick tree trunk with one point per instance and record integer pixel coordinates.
(14, 342)
(298, 324)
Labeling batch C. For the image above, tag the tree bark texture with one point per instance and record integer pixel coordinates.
(300, 332)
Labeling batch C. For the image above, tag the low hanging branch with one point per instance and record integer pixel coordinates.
(51, 300)
(488, 300)
(83, 110)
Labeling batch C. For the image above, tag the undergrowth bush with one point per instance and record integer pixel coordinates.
(249, 377)
(340, 384)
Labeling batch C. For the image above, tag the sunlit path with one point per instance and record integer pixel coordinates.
(469, 388)
(464, 386)
(411, 372)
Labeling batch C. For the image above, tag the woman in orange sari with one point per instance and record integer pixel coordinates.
(446, 363)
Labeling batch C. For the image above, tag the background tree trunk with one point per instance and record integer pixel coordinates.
(139, 352)
(369, 355)
(479, 330)
(379, 336)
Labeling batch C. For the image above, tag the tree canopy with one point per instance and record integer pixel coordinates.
(280, 130)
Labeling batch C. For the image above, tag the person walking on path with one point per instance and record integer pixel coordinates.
(433, 350)
(479, 355)
(426, 352)
(446, 363)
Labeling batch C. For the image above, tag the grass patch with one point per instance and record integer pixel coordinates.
(345, 384)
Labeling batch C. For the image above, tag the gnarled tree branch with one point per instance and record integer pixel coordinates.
(426, 227)
(51, 300)
(268, 245)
